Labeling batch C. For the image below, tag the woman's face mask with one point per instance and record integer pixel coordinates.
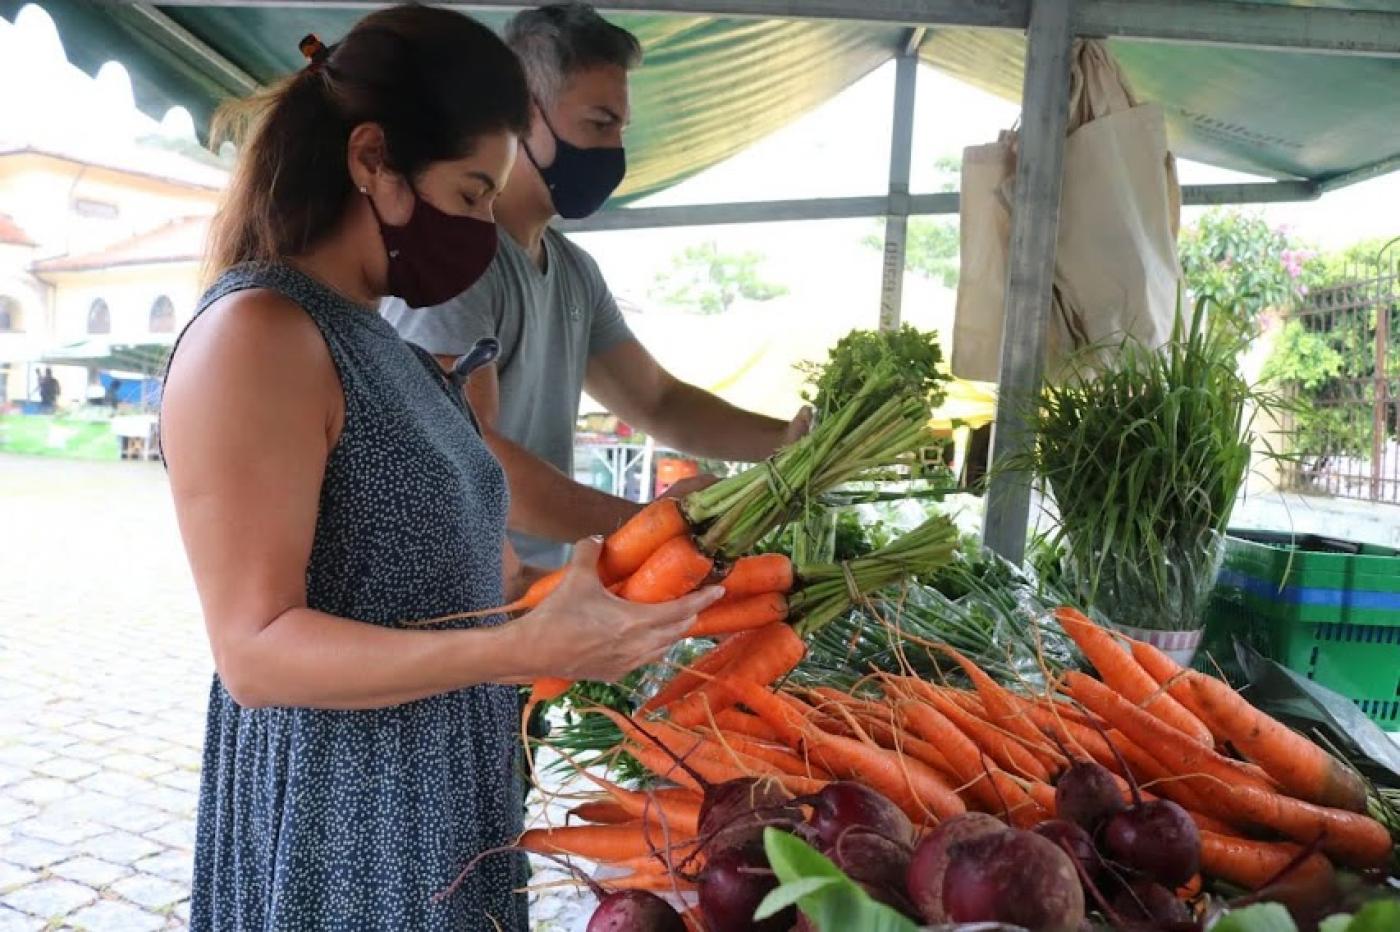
(435, 256)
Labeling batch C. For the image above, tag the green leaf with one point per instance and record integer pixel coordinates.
(1262, 917)
(1338, 923)
(1376, 916)
(828, 897)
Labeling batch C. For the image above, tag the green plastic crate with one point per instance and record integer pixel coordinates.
(1328, 609)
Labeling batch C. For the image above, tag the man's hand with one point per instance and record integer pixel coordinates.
(799, 427)
(684, 487)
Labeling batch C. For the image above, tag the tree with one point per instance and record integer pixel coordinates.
(930, 243)
(708, 281)
(1242, 265)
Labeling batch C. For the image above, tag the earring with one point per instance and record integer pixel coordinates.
(364, 190)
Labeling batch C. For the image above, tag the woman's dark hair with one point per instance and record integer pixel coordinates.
(435, 81)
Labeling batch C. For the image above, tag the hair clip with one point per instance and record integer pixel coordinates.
(315, 50)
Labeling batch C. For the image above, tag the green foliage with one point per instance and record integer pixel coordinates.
(1243, 266)
(831, 900)
(707, 281)
(1376, 916)
(930, 243)
(915, 354)
(1145, 451)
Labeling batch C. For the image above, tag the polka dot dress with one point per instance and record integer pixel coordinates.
(310, 819)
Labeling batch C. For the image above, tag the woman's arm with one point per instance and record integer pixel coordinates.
(252, 408)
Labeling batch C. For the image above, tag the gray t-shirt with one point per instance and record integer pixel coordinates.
(549, 324)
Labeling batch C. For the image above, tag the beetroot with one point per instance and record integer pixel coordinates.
(876, 863)
(844, 805)
(733, 814)
(1087, 794)
(635, 911)
(732, 885)
(1156, 837)
(1144, 901)
(924, 881)
(1014, 877)
(1075, 842)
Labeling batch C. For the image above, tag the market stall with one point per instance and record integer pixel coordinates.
(881, 724)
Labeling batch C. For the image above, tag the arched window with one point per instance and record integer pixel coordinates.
(99, 317)
(11, 320)
(162, 316)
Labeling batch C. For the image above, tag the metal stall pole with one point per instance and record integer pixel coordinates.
(1035, 220)
(897, 219)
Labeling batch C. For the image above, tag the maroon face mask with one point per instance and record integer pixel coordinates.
(435, 256)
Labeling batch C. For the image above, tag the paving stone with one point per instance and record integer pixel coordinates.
(182, 912)
(11, 774)
(176, 802)
(51, 741)
(179, 834)
(12, 875)
(135, 817)
(183, 757)
(85, 807)
(177, 866)
(14, 810)
(141, 744)
(120, 785)
(153, 893)
(138, 765)
(12, 920)
(93, 872)
(86, 751)
(92, 731)
(185, 780)
(49, 899)
(121, 721)
(22, 755)
(59, 831)
(40, 790)
(115, 916)
(66, 768)
(33, 853)
(120, 847)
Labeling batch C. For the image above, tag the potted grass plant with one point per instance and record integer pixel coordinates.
(1143, 452)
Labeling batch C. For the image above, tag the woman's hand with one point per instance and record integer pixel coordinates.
(583, 632)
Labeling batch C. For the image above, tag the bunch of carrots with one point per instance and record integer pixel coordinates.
(1268, 803)
(672, 547)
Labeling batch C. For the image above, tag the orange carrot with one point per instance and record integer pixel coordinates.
(780, 757)
(733, 721)
(1251, 864)
(1191, 889)
(663, 765)
(596, 842)
(1001, 747)
(764, 572)
(678, 808)
(1004, 712)
(659, 882)
(996, 794)
(1050, 719)
(1179, 753)
(909, 783)
(1351, 838)
(1120, 671)
(1147, 771)
(686, 679)
(778, 651)
(1167, 672)
(677, 567)
(742, 614)
(627, 548)
(602, 812)
(1302, 768)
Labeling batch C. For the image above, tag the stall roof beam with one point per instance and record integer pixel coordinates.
(197, 51)
(1297, 28)
(846, 208)
(897, 220)
(1035, 221)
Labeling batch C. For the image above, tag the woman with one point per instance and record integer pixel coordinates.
(330, 487)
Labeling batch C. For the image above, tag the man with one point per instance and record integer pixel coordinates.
(544, 299)
(48, 390)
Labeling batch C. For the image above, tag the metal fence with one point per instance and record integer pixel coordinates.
(1344, 437)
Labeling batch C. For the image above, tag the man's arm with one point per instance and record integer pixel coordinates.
(543, 501)
(629, 382)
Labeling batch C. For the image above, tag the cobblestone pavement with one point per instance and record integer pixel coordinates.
(104, 675)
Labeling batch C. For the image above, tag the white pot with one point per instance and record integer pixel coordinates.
(1180, 646)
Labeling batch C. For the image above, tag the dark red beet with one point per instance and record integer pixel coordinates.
(733, 814)
(1156, 837)
(635, 911)
(1086, 794)
(732, 885)
(844, 805)
(1018, 878)
(924, 881)
(1144, 901)
(1075, 841)
(876, 863)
